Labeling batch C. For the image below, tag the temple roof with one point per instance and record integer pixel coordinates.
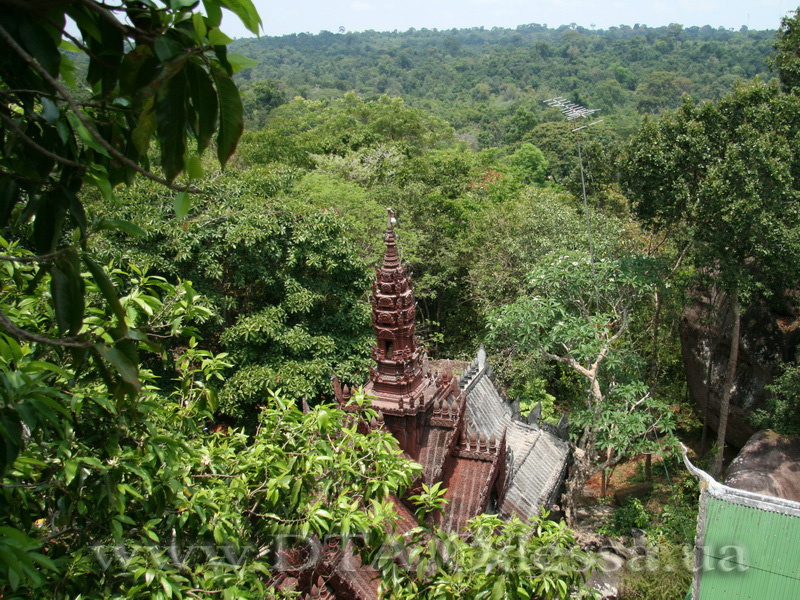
(537, 457)
(467, 486)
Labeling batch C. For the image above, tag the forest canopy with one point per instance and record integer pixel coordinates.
(188, 225)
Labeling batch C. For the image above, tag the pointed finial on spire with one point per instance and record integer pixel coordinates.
(391, 260)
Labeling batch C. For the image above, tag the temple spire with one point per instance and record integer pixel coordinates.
(398, 375)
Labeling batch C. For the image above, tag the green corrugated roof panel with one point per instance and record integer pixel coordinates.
(749, 553)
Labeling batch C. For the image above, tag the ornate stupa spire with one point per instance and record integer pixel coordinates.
(398, 378)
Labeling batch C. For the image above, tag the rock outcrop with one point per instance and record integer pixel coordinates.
(768, 335)
(769, 463)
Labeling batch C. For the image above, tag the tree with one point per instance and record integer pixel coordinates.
(518, 233)
(661, 89)
(782, 410)
(260, 99)
(529, 164)
(787, 59)
(150, 71)
(285, 281)
(578, 313)
(724, 176)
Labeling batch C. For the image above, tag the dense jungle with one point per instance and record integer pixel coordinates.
(190, 226)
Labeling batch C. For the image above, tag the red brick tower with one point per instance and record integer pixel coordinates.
(399, 375)
(400, 382)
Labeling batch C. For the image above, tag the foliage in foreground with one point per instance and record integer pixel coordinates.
(155, 71)
(497, 559)
(120, 496)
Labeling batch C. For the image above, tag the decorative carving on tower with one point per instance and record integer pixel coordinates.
(398, 376)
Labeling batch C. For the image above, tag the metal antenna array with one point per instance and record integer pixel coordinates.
(571, 110)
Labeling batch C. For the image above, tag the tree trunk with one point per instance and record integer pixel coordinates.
(704, 438)
(725, 402)
(656, 324)
(606, 475)
(581, 468)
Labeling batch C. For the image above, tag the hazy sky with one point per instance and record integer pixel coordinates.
(312, 16)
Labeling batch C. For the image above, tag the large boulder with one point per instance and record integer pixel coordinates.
(769, 463)
(769, 334)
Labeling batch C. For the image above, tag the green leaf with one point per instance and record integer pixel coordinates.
(166, 48)
(182, 205)
(214, 12)
(85, 19)
(122, 225)
(70, 470)
(167, 587)
(199, 25)
(231, 115)
(245, 10)
(98, 177)
(67, 288)
(69, 46)
(43, 560)
(127, 369)
(212, 403)
(143, 133)
(46, 366)
(217, 38)
(499, 589)
(194, 168)
(50, 215)
(86, 137)
(204, 101)
(171, 125)
(40, 45)
(138, 70)
(77, 212)
(50, 110)
(106, 288)
(240, 62)
(13, 569)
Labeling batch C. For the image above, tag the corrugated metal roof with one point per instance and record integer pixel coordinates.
(747, 544)
(749, 553)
